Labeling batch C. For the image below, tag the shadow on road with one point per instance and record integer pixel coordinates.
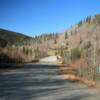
(38, 82)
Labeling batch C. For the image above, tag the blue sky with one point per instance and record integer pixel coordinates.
(33, 17)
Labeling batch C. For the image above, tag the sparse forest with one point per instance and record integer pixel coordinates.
(19, 48)
(83, 48)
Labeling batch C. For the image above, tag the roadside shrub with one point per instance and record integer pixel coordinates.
(75, 54)
(87, 45)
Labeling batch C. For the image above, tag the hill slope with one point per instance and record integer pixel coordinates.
(87, 30)
(12, 37)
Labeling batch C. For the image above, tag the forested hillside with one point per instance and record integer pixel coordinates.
(83, 50)
(13, 37)
(16, 47)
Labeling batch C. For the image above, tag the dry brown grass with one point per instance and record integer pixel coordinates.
(13, 56)
(69, 73)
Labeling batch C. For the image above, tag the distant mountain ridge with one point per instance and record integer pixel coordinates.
(12, 37)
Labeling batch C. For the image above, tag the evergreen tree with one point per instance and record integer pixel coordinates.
(66, 35)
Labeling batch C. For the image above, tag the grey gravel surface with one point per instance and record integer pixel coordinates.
(41, 82)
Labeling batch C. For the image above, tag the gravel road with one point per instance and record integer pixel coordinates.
(41, 82)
